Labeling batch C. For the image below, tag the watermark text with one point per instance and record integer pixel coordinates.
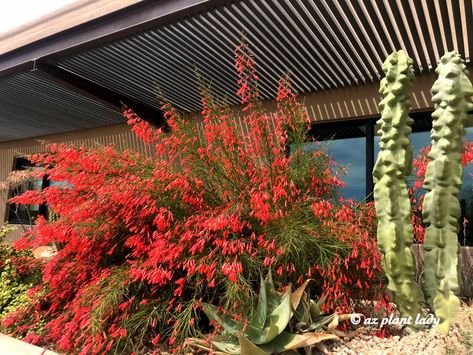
(428, 320)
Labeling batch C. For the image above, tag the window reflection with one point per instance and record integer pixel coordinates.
(350, 154)
(25, 214)
(466, 200)
(346, 144)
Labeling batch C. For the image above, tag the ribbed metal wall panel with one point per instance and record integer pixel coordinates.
(323, 44)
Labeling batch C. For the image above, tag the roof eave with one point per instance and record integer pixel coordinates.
(118, 24)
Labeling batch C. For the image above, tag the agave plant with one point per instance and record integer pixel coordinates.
(271, 328)
(309, 317)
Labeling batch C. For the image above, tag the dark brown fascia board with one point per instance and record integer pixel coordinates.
(92, 90)
(125, 22)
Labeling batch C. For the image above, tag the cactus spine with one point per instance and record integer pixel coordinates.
(441, 209)
(392, 203)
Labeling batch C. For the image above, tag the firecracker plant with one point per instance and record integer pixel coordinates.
(145, 240)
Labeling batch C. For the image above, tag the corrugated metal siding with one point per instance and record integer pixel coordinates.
(119, 135)
(323, 44)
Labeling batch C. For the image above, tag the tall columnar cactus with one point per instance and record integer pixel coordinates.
(392, 203)
(441, 210)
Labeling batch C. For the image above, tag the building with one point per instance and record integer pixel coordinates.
(63, 77)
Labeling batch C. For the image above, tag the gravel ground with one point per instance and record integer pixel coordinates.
(459, 341)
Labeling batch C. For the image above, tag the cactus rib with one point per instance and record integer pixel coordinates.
(394, 163)
(441, 209)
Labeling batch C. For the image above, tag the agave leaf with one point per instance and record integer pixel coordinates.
(287, 341)
(278, 320)
(333, 324)
(319, 323)
(214, 348)
(351, 334)
(226, 348)
(259, 318)
(282, 313)
(248, 348)
(298, 293)
(198, 343)
(302, 313)
(302, 327)
(229, 324)
(347, 316)
(271, 295)
(269, 332)
(316, 307)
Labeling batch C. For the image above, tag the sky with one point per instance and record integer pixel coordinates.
(14, 13)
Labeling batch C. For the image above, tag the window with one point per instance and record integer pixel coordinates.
(346, 143)
(466, 201)
(25, 214)
(350, 153)
(354, 145)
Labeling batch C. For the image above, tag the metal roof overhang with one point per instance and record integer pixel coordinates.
(88, 70)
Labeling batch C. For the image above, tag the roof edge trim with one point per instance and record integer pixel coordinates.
(134, 18)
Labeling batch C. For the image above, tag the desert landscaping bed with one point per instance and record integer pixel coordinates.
(458, 341)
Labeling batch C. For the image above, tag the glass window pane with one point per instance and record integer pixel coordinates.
(346, 144)
(466, 200)
(21, 214)
(351, 154)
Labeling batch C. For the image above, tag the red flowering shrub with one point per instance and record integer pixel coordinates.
(143, 240)
(417, 194)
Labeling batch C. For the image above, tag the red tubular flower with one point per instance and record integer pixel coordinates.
(193, 220)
